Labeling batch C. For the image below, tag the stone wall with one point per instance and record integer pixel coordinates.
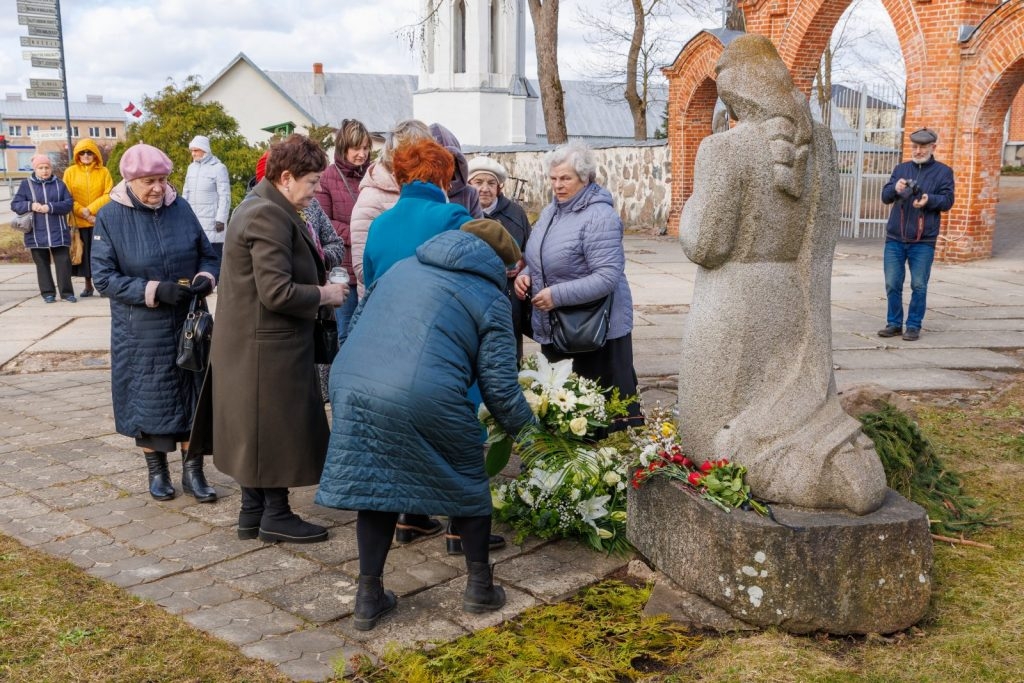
(637, 174)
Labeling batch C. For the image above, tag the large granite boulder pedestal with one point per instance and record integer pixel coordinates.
(826, 571)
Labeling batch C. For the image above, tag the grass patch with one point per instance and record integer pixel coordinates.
(59, 624)
(12, 246)
(600, 635)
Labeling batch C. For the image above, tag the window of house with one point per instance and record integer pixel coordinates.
(94, 131)
(31, 129)
(14, 131)
(74, 131)
(56, 127)
(110, 132)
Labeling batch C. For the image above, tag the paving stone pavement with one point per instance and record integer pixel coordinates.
(70, 486)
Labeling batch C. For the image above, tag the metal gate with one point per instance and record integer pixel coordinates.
(867, 125)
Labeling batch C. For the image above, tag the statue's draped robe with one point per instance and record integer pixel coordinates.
(756, 384)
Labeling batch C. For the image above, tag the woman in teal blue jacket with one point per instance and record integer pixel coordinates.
(405, 436)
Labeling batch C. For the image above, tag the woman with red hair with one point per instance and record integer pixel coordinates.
(423, 169)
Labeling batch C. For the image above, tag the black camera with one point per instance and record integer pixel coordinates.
(911, 189)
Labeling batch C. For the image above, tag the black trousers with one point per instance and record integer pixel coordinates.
(611, 366)
(374, 531)
(62, 261)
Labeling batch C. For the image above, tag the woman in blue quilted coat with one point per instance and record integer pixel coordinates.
(48, 199)
(149, 257)
(575, 256)
(405, 436)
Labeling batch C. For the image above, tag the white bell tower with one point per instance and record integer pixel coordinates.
(472, 73)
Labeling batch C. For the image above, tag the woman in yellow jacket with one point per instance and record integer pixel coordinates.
(90, 183)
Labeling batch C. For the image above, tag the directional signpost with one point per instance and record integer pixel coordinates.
(42, 19)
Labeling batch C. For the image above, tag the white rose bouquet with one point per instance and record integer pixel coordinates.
(569, 486)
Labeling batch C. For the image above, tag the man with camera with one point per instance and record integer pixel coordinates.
(919, 190)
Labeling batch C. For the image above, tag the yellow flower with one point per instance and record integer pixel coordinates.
(604, 533)
(667, 429)
(612, 478)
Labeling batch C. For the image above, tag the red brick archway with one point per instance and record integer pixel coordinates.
(961, 89)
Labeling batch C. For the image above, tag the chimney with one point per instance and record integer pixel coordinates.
(13, 96)
(94, 99)
(318, 78)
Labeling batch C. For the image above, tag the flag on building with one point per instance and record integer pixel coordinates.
(133, 110)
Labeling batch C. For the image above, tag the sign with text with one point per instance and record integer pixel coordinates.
(45, 62)
(47, 31)
(28, 55)
(44, 7)
(45, 83)
(38, 136)
(34, 41)
(33, 20)
(40, 94)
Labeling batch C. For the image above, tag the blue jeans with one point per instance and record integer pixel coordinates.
(343, 314)
(918, 256)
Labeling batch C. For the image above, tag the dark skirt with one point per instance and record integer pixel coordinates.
(611, 366)
(164, 443)
(84, 269)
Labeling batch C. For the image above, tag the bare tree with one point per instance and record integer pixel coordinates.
(545, 33)
(634, 29)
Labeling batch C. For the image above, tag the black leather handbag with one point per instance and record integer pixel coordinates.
(196, 335)
(581, 328)
(325, 337)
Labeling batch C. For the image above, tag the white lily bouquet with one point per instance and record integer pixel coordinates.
(569, 485)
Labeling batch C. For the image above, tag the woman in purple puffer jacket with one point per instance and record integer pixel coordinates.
(575, 255)
(339, 188)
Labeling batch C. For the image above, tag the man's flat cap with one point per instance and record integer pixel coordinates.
(924, 136)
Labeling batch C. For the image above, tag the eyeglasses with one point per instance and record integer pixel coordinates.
(86, 153)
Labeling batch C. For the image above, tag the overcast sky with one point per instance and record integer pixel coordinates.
(124, 49)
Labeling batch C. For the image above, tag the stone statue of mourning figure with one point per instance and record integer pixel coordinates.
(756, 384)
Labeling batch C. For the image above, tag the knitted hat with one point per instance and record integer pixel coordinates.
(924, 136)
(492, 232)
(40, 159)
(480, 164)
(261, 166)
(200, 142)
(143, 160)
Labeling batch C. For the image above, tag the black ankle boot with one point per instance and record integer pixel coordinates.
(193, 480)
(251, 513)
(481, 594)
(373, 601)
(159, 476)
(410, 527)
(279, 523)
(453, 541)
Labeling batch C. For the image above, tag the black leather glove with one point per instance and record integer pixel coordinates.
(218, 227)
(172, 293)
(201, 286)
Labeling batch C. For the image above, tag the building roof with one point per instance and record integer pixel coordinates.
(378, 100)
(593, 110)
(599, 110)
(54, 110)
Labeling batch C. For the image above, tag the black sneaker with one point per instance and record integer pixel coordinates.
(912, 334)
(890, 331)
